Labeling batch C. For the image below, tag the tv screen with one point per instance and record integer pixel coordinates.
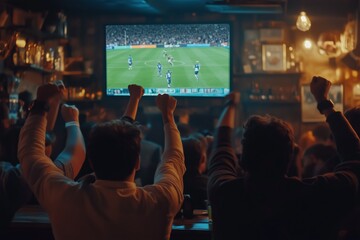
(177, 59)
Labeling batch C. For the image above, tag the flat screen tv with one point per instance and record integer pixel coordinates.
(190, 60)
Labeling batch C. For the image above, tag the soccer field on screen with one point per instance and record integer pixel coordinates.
(214, 67)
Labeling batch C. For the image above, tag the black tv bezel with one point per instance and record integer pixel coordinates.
(106, 97)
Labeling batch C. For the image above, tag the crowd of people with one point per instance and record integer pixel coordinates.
(167, 34)
(121, 179)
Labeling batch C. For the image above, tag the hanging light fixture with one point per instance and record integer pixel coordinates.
(303, 22)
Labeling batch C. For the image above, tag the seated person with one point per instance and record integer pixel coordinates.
(150, 157)
(111, 207)
(150, 154)
(322, 134)
(319, 159)
(195, 182)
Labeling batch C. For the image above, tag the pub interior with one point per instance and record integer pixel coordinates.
(321, 50)
(271, 56)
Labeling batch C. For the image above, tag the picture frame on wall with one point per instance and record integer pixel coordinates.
(309, 111)
(272, 35)
(274, 57)
(356, 91)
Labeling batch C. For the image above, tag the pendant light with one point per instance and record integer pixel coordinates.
(303, 22)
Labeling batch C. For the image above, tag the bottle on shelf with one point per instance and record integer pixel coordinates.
(62, 24)
(12, 86)
(291, 61)
(49, 59)
(38, 55)
(255, 91)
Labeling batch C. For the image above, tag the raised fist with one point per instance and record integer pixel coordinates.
(136, 91)
(70, 113)
(166, 103)
(50, 92)
(319, 88)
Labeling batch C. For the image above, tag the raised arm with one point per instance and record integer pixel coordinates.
(227, 121)
(31, 148)
(347, 141)
(54, 105)
(172, 167)
(227, 117)
(72, 157)
(136, 92)
(166, 105)
(222, 163)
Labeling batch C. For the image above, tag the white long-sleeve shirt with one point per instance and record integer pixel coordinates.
(104, 209)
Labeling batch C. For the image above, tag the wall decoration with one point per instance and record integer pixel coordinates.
(272, 35)
(274, 57)
(309, 111)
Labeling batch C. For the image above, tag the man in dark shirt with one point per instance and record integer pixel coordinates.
(265, 203)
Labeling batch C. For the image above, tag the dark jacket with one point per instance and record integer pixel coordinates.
(284, 208)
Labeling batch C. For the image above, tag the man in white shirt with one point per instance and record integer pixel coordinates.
(112, 207)
(14, 191)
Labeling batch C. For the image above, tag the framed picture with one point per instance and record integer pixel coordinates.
(309, 112)
(272, 35)
(251, 35)
(274, 57)
(356, 91)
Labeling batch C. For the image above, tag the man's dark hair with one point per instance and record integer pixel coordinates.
(114, 148)
(193, 150)
(323, 152)
(268, 145)
(322, 132)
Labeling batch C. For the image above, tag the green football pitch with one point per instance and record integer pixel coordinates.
(214, 67)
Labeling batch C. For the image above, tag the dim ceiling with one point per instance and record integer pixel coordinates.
(165, 7)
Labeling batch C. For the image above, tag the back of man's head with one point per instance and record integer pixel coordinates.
(268, 144)
(318, 159)
(193, 152)
(114, 148)
(322, 133)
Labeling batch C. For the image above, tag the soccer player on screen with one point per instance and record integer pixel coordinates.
(168, 78)
(197, 69)
(170, 60)
(159, 68)
(130, 62)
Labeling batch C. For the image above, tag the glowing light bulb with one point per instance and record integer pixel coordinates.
(307, 44)
(303, 22)
(20, 41)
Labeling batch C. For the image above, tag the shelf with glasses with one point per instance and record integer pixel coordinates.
(30, 49)
(35, 68)
(76, 74)
(34, 34)
(32, 67)
(274, 93)
(270, 88)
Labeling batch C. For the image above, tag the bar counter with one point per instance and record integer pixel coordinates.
(32, 223)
